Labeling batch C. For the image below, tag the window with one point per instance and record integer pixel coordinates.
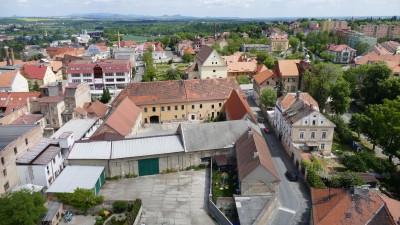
(76, 75)
(176, 116)
(322, 146)
(109, 74)
(193, 117)
(176, 107)
(6, 186)
(54, 161)
(321, 122)
(145, 109)
(323, 134)
(162, 108)
(87, 75)
(87, 80)
(182, 107)
(313, 122)
(220, 104)
(5, 172)
(212, 106)
(154, 109)
(201, 106)
(120, 79)
(183, 115)
(301, 135)
(312, 134)
(120, 74)
(76, 80)
(169, 108)
(214, 71)
(109, 80)
(145, 120)
(192, 106)
(26, 141)
(15, 150)
(305, 122)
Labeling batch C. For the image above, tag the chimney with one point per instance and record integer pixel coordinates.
(12, 57)
(84, 116)
(215, 31)
(298, 93)
(119, 42)
(7, 55)
(250, 133)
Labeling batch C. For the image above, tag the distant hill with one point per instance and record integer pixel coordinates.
(126, 16)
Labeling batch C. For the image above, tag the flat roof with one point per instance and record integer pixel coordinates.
(40, 154)
(78, 126)
(73, 177)
(146, 146)
(249, 208)
(9, 133)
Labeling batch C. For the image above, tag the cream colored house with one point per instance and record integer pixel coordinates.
(41, 74)
(301, 125)
(279, 42)
(177, 100)
(208, 64)
(266, 79)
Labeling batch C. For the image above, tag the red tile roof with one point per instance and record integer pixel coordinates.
(127, 43)
(7, 79)
(339, 206)
(393, 206)
(53, 99)
(15, 100)
(289, 98)
(173, 91)
(288, 67)
(34, 71)
(339, 48)
(96, 108)
(247, 147)
(107, 136)
(28, 119)
(263, 76)
(236, 107)
(124, 117)
(188, 50)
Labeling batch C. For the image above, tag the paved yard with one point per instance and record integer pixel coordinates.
(80, 220)
(175, 198)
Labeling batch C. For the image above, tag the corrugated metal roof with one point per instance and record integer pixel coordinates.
(74, 177)
(146, 146)
(41, 153)
(91, 150)
(208, 136)
(78, 126)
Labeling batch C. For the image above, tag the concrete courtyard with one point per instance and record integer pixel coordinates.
(174, 198)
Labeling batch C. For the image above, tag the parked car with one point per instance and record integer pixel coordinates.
(68, 216)
(291, 175)
(267, 130)
(261, 119)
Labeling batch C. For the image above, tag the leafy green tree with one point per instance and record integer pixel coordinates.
(280, 88)
(355, 76)
(376, 74)
(314, 180)
(120, 206)
(243, 80)
(150, 74)
(81, 199)
(361, 47)
(319, 80)
(340, 96)
(328, 57)
(35, 57)
(268, 98)
(351, 179)
(357, 123)
(148, 57)
(296, 55)
(173, 74)
(187, 58)
(294, 42)
(105, 96)
(300, 36)
(22, 207)
(36, 86)
(390, 88)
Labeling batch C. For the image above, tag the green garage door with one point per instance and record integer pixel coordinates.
(148, 167)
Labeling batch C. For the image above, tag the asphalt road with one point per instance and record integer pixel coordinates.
(139, 72)
(294, 197)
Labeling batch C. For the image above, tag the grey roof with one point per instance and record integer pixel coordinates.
(204, 53)
(78, 126)
(297, 111)
(52, 208)
(73, 177)
(40, 154)
(9, 133)
(146, 146)
(207, 136)
(91, 150)
(249, 208)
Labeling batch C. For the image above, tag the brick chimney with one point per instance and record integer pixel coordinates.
(7, 55)
(12, 57)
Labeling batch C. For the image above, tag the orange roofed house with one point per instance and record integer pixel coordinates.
(180, 100)
(266, 79)
(393, 61)
(355, 207)
(239, 65)
(13, 81)
(343, 53)
(290, 72)
(40, 74)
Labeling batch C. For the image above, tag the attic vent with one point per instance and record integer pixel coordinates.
(348, 215)
(255, 155)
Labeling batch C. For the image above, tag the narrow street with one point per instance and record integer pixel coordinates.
(139, 72)
(294, 197)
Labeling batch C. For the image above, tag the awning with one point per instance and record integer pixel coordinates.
(312, 144)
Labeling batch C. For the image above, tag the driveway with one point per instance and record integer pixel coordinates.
(174, 198)
(294, 198)
(80, 220)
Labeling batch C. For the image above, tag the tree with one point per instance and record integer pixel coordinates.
(296, 55)
(280, 88)
(355, 76)
(150, 74)
(361, 47)
(318, 82)
(327, 57)
(357, 123)
(36, 86)
(187, 58)
(268, 98)
(376, 74)
(294, 42)
(22, 207)
(105, 96)
(35, 57)
(243, 80)
(173, 74)
(81, 199)
(340, 97)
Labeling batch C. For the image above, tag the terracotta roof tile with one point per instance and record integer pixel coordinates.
(107, 136)
(246, 146)
(53, 99)
(288, 67)
(34, 71)
(393, 206)
(15, 100)
(236, 107)
(124, 117)
(188, 50)
(7, 79)
(261, 68)
(28, 119)
(374, 57)
(96, 109)
(339, 48)
(338, 206)
(289, 98)
(263, 76)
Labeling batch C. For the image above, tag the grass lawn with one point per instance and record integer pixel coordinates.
(221, 189)
(338, 148)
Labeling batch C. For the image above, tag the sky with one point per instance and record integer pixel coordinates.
(204, 8)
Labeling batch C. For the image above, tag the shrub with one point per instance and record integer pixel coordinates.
(113, 218)
(130, 175)
(120, 206)
(354, 162)
(314, 180)
(342, 130)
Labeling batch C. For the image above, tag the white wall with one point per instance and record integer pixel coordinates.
(20, 84)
